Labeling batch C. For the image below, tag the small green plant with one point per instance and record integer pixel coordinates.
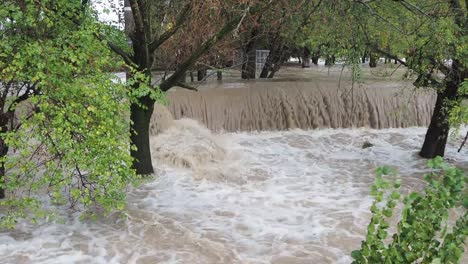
(423, 234)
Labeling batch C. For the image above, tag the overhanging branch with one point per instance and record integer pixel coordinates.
(388, 54)
(170, 32)
(174, 78)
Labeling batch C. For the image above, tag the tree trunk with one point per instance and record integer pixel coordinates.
(250, 56)
(277, 66)
(192, 79)
(268, 64)
(438, 131)
(3, 153)
(219, 75)
(140, 136)
(248, 67)
(4, 120)
(201, 74)
(315, 59)
(373, 60)
(306, 58)
(330, 60)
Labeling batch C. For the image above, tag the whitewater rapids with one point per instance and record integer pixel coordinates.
(259, 197)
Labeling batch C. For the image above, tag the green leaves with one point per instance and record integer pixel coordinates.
(422, 233)
(71, 143)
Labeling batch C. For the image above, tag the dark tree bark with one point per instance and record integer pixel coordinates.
(4, 120)
(438, 131)
(201, 74)
(306, 58)
(140, 118)
(249, 67)
(330, 60)
(219, 75)
(268, 65)
(250, 55)
(277, 66)
(192, 79)
(315, 59)
(373, 60)
(3, 153)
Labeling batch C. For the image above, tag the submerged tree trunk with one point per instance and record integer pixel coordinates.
(330, 60)
(315, 59)
(373, 60)
(201, 74)
(250, 55)
(277, 66)
(306, 58)
(438, 131)
(140, 118)
(268, 65)
(192, 79)
(248, 67)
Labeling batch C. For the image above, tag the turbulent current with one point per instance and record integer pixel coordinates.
(265, 197)
(305, 104)
(291, 196)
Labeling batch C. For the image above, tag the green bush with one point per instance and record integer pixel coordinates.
(422, 233)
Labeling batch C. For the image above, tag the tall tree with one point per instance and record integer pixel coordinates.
(153, 24)
(432, 36)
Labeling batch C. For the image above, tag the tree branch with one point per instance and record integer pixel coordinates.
(175, 78)
(463, 143)
(170, 32)
(128, 60)
(389, 55)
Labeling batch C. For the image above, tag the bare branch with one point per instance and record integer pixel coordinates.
(122, 54)
(389, 55)
(463, 143)
(175, 78)
(170, 32)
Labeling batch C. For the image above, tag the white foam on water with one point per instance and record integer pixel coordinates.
(268, 197)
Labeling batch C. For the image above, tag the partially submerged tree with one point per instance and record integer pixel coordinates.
(62, 116)
(153, 23)
(432, 37)
(427, 37)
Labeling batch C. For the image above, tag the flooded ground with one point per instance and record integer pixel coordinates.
(285, 197)
(319, 97)
(268, 197)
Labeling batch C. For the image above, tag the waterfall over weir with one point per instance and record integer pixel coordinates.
(305, 104)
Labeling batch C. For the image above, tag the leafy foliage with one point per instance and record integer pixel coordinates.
(67, 133)
(422, 235)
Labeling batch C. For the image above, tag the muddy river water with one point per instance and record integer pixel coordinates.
(286, 196)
